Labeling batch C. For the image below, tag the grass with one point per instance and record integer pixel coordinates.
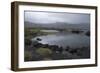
(46, 52)
(28, 55)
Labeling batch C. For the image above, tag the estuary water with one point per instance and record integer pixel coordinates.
(65, 39)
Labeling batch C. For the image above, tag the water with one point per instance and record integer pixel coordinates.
(65, 39)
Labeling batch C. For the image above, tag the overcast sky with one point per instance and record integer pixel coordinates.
(53, 17)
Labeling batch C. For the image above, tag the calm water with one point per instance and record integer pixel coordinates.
(72, 40)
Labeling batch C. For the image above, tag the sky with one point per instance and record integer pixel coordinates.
(54, 17)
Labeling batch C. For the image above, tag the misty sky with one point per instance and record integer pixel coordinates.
(53, 17)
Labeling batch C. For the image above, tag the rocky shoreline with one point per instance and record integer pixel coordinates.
(35, 51)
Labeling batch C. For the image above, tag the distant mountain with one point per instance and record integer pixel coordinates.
(58, 25)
